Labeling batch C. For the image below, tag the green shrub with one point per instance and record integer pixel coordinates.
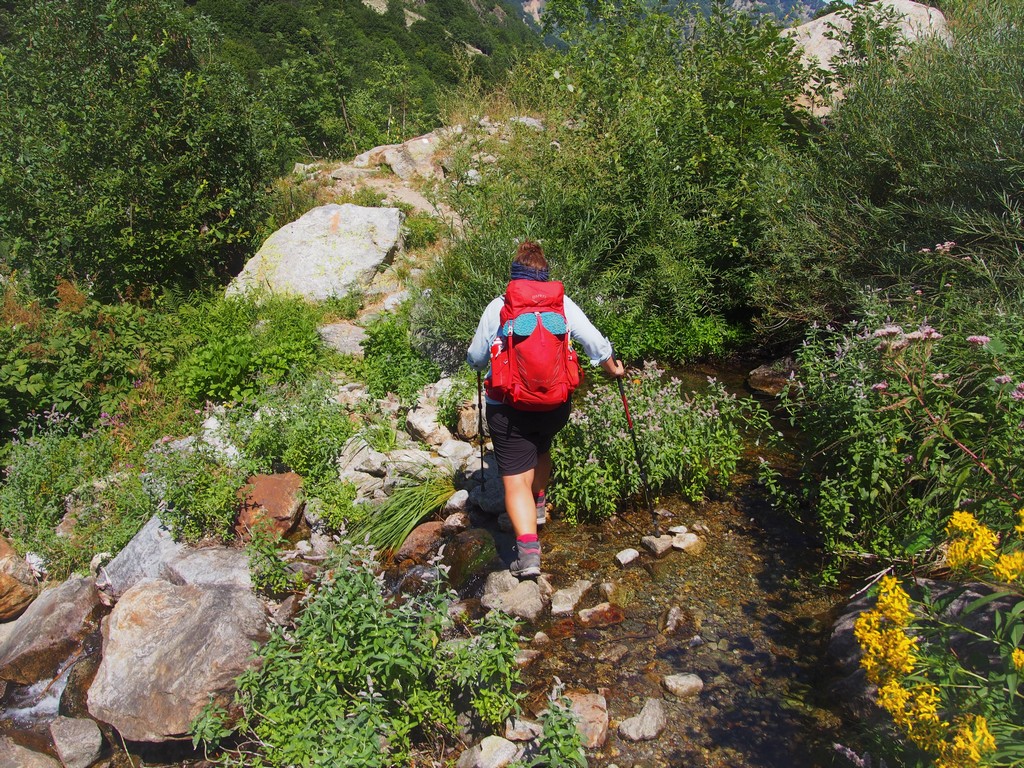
(421, 230)
(80, 356)
(391, 364)
(362, 676)
(639, 186)
(690, 443)
(905, 423)
(269, 572)
(42, 467)
(128, 155)
(464, 390)
(198, 495)
(242, 345)
(922, 151)
(561, 745)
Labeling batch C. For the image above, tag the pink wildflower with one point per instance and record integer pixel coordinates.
(940, 376)
(1004, 379)
(929, 333)
(881, 386)
(915, 336)
(979, 340)
(887, 330)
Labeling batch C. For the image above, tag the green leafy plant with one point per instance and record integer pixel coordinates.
(44, 466)
(364, 679)
(245, 344)
(561, 745)
(691, 443)
(269, 572)
(197, 494)
(463, 390)
(391, 364)
(906, 422)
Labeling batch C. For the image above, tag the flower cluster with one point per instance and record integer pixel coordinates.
(971, 542)
(891, 658)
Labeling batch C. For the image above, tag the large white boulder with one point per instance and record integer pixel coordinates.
(329, 252)
(815, 38)
(168, 650)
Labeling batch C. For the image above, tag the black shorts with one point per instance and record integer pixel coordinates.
(520, 436)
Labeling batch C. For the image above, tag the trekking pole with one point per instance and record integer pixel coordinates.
(639, 455)
(480, 424)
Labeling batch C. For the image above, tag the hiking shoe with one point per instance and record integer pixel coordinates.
(542, 509)
(527, 564)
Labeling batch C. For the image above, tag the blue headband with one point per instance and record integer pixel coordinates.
(520, 272)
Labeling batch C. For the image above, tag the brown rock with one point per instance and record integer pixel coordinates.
(50, 631)
(772, 379)
(420, 545)
(602, 615)
(275, 498)
(17, 585)
(592, 711)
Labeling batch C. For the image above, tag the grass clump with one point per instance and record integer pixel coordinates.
(391, 523)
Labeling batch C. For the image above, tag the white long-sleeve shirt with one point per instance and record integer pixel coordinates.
(596, 346)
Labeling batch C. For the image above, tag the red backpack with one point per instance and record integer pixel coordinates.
(533, 364)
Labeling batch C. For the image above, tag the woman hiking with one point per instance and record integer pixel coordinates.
(522, 336)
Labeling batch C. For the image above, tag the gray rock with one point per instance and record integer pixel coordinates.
(468, 427)
(216, 437)
(344, 338)
(683, 686)
(16, 756)
(351, 395)
(329, 251)
(658, 546)
(422, 424)
(456, 522)
(212, 565)
(492, 752)
(490, 498)
(564, 601)
(614, 653)
(690, 543)
(358, 456)
(367, 486)
(456, 508)
(143, 557)
(395, 300)
(526, 656)
(50, 631)
(647, 725)
(167, 651)
(406, 462)
(529, 122)
(819, 45)
(627, 556)
(675, 530)
(78, 741)
(504, 592)
(517, 729)
(458, 452)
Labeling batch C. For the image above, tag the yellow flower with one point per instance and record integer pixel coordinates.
(971, 741)
(1018, 659)
(1019, 528)
(893, 602)
(961, 522)
(976, 545)
(893, 698)
(924, 726)
(1009, 567)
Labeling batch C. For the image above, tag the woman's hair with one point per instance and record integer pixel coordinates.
(530, 254)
